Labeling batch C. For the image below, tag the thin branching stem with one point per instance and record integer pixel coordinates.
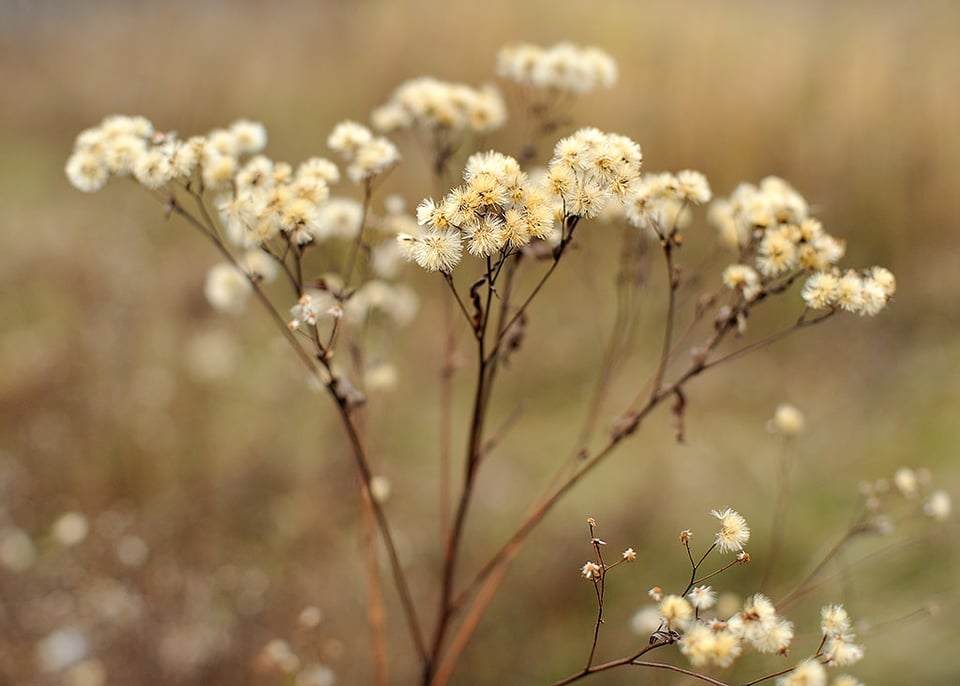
(376, 616)
(599, 586)
(635, 661)
(570, 223)
(343, 405)
(667, 245)
(456, 295)
(357, 244)
(779, 512)
(618, 343)
(800, 588)
(632, 420)
(454, 538)
(783, 672)
(706, 577)
(679, 670)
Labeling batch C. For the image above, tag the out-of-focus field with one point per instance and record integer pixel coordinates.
(224, 483)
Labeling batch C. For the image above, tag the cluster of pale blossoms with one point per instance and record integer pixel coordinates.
(429, 104)
(366, 155)
(590, 169)
(267, 208)
(706, 638)
(130, 146)
(778, 241)
(912, 485)
(280, 657)
(500, 207)
(661, 201)
(787, 421)
(563, 67)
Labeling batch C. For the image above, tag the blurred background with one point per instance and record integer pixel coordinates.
(213, 496)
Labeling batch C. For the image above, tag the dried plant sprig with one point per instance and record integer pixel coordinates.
(712, 641)
(267, 216)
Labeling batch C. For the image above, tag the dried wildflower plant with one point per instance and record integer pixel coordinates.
(340, 263)
(712, 636)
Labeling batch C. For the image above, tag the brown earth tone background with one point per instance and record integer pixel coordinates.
(239, 483)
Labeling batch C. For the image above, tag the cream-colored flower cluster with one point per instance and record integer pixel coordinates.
(734, 531)
(497, 208)
(500, 207)
(397, 302)
(563, 67)
(711, 641)
(366, 155)
(695, 620)
(862, 292)
(660, 202)
(430, 104)
(591, 168)
(911, 485)
(777, 239)
(787, 420)
(130, 146)
(839, 646)
(261, 203)
(267, 200)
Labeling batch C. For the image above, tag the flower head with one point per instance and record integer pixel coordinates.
(591, 571)
(676, 611)
(734, 531)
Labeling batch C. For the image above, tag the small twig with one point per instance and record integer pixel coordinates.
(343, 406)
(672, 284)
(599, 587)
(701, 579)
(358, 243)
(779, 512)
(570, 223)
(633, 661)
(463, 308)
(376, 616)
(799, 589)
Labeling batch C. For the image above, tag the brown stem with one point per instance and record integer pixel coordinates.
(474, 449)
(342, 404)
(695, 566)
(779, 513)
(400, 580)
(774, 675)
(667, 245)
(460, 640)
(358, 243)
(456, 295)
(619, 341)
(630, 422)
(376, 616)
(725, 567)
(599, 587)
(569, 224)
(679, 670)
(800, 588)
(635, 661)
(447, 371)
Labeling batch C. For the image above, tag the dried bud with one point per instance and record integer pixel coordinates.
(591, 571)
